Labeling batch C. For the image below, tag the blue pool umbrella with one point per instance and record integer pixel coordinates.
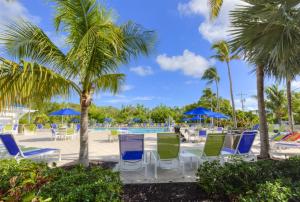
(136, 120)
(107, 120)
(65, 112)
(198, 111)
(217, 115)
(196, 118)
(186, 119)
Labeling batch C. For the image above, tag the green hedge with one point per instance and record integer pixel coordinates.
(248, 181)
(30, 181)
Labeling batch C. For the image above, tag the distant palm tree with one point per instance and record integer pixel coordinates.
(96, 48)
(267, 34)
(276, 101)
(223, 54)
(215, 7)
(211, 76)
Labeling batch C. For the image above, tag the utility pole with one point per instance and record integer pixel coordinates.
(243, 100)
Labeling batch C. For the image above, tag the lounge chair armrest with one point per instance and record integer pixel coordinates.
(155, 155)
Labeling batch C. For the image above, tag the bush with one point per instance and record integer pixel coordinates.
(30, 181)
(234, 180)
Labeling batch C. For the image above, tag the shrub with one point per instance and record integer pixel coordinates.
(79, 184)
(233, 180)
(30, 181)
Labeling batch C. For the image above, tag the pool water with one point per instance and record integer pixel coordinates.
(136, 130)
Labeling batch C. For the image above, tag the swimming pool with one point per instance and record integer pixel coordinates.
(136, 130)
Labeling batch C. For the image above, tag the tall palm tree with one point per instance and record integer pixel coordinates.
(276, 101)
(267, 34)
(215, 7)
(96, 48)
(223, 54)
(211, 76)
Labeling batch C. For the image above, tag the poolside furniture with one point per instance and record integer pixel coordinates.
(39, 126)
(56, 135)
(54, 126)
(243, 148)
(15, 151)
(132, 154)
(113, 135)
(279, 149)
(212, 149)
(167, 154)
(255, 127)
(202, 135)
(11, 129)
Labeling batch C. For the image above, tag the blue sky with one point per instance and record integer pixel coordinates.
(171, 74)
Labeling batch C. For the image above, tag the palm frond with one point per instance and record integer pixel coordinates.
(23, 82)
(215, 7)
(109, 82)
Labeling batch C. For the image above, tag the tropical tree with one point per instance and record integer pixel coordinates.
(215, 7)
(211, 76)
(276, 102)
(224, 54)
(96, 48)
(267, 35)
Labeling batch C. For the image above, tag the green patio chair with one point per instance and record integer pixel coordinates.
(168, 150)
(113, 135)
(212, 148)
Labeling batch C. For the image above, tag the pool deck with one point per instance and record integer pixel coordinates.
(101, 149)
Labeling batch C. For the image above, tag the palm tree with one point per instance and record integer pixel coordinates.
(215, 7)
(267, 34)
(211, 75)
(96, 48)
(223, 54)
(276, 101)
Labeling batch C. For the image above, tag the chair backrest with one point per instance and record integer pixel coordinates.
(131, 147)
(168, 145)
(213, 144)
(39, 126)
(15, 127)
(10, 144)
(77, 127)
(220, 129)
(231, 143)
(54, 126)
(202, 133)
(53, 132)
(114, 132)
(255, 127)
(246, 142)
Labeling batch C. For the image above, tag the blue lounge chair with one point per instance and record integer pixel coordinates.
(243, 148)
(54, 126)
(14, 150)
(132, 155)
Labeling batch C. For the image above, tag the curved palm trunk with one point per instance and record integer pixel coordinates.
(231, 96)
(263, 127)
(85, 101)
(289, 99)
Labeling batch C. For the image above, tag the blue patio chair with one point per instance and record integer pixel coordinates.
(39, 126)
(54, 126)
(132, 154)
(243, 148)
(255, 127)
(14, 150)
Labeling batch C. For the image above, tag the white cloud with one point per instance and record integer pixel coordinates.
(125, 99)
(191, 82)
(295, 85)
(127, 88)
(189, 63)
(249, 104)
(14, 10)
(142, 71)
(210, 30)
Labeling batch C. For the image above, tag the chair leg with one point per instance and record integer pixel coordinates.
(59, 155)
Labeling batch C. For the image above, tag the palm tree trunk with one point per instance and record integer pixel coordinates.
(231, 95)
(263, 127)
(84, 149)
(217, 89)
(289, 99)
